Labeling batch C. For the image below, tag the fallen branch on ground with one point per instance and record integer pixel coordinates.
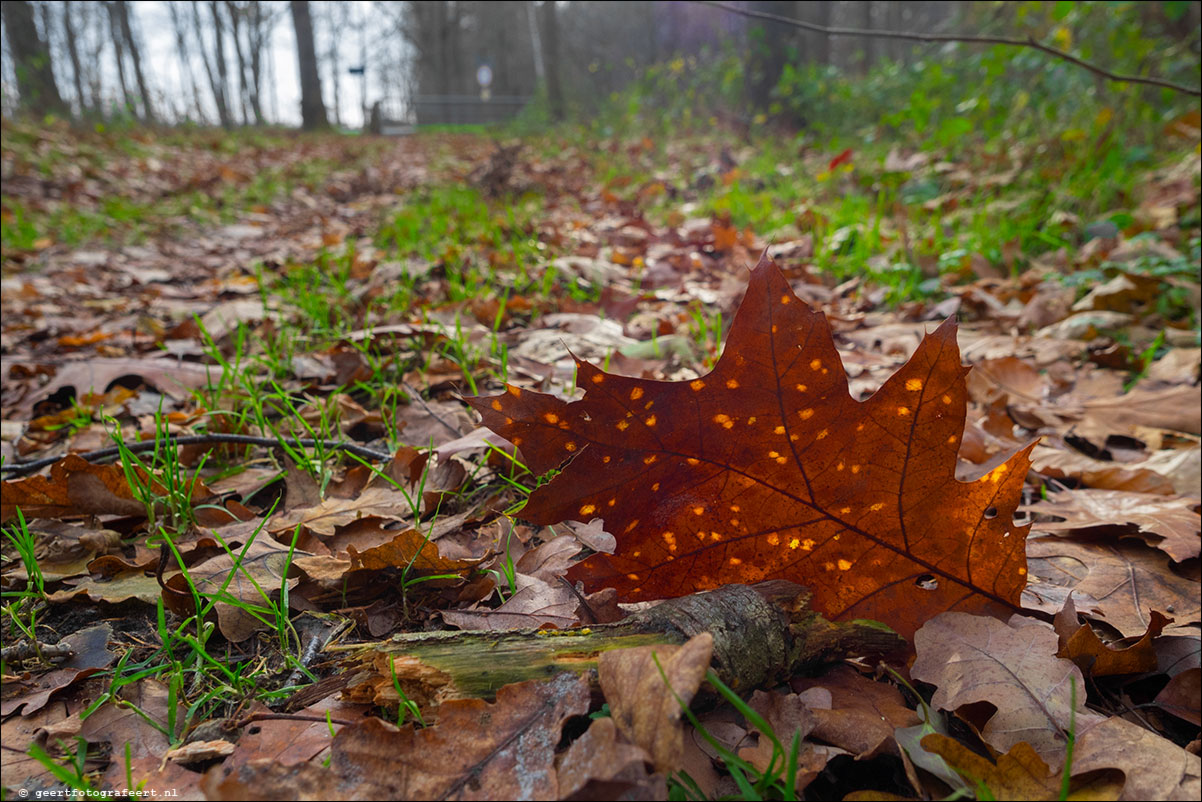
(762, 635)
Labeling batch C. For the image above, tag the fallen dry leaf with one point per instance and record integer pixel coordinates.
(1013, 667)
(600, 765)
(1183, 696)
(1079, 643)
(1156, 768)
(1130, 477)
(477, 750)
(252, 577)
(1020, 773)
(1172, 521)
(646, 687)
(788, 717)
(324, 518)
(862, 715)
(1124, 582)
(90, 654)
(534, 603)
(767, 469)
(77, 487)
(169, 376)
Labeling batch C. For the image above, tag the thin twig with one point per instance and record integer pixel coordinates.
(24, 468)
(955, 37)
(269, 716)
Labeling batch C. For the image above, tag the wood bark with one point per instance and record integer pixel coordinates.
(185, 60)
(762, 635)
(31, 58)
(135, 56)
(254, 19)
(313, 108)
(768, 51)
(71, 37)
(223, 111)
(867, 43)
(222, 68)
(551, 54)
(119, 56)
(235, 15)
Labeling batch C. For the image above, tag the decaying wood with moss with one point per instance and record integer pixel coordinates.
(762, 634)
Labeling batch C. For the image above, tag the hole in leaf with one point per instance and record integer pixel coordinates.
(990, 513)
(927, 582)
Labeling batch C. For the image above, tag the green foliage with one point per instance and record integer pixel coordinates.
(960, 96)
(996, 112)
(21, 606)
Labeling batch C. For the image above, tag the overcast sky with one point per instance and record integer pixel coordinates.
(281, 71)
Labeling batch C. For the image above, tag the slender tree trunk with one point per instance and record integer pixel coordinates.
(31, 59)
(768, 52)
(866, 42)
(73, 52)
(255, 42)
(136, 57)
(272, 82)
(335, 23)
(93, 57)
(119, 48)
(222, 68)
(185, 61)
(243, 80)
(223, 111)
(893, 21)
(313, 108)
(536, 45)
(551, 51)
(823, 51)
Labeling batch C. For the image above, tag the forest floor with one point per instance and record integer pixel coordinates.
(181, 611)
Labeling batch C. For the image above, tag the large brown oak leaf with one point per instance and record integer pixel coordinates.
(766, 468)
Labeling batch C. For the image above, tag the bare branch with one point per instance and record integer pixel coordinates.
(956, 37)
(25, 468)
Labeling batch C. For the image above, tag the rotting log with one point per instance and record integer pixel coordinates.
(762, 635)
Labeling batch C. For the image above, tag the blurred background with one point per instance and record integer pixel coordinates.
(391, 66)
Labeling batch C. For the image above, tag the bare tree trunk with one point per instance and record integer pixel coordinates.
(272, 83)
(893, 21)
(222, 69)
(68, 19)
(551, 49)
(336, 24)
(136, 56)
(768, 52)
(93, 23)
(256, 35)
(119, 48)
(31, 58)
(451, 51)
(235, 13)
(867, 41)
(185, 60)
(536, 45)
(223, 111)
(313, 108)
